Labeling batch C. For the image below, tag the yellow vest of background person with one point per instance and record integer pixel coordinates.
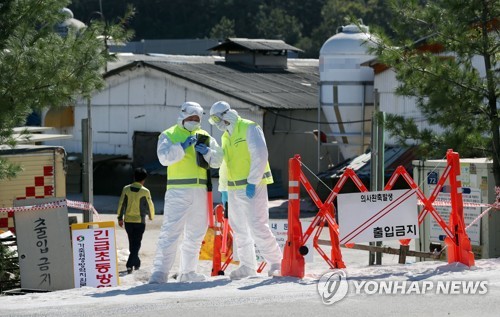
(185, 173)
(135, 195)
(237, 156)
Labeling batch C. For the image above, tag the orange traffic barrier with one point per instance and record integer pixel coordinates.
(222, 251)
(217, 226)
(459, 248)
(457, 241)
(293, 263)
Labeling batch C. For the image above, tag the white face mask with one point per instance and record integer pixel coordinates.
(221, 125)
(191, 125)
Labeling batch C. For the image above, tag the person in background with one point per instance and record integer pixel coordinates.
(134, 206)
(243, 179)
(186, 200)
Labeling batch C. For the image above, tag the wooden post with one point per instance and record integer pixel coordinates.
(403, 250)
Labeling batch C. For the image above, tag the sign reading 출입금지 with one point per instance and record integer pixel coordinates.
(378, 216)
(44, 245)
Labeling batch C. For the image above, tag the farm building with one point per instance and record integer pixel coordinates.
(144, 93)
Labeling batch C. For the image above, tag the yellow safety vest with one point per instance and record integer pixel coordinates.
(185, 173)
(237, 156)
(135, 204)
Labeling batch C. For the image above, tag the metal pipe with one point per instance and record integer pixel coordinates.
(319, 128)
(88, 179)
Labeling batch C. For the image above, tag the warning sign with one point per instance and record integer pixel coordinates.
(94, 254)
(280, 231)
(469, 195)
(378, 216)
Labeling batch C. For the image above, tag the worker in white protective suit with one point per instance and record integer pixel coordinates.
(185, 211)
(243, 179)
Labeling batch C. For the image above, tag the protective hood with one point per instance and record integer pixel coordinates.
(231, 116)
(188, 109)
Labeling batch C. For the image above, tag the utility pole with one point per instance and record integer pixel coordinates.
(88, 166)
(87, 153)
(377, 161)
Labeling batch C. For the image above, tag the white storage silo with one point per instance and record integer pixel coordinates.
(346, 88)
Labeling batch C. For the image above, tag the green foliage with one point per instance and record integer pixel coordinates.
(41, 68)
(8, 170)
(333, 15)
(275, 23)
(304, 24)
(436, 51)
(223, 30)
(9, 269)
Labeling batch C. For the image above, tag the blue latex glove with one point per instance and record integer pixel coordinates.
(224, 197)
(201, 148)
(190, 140)
(250, 190)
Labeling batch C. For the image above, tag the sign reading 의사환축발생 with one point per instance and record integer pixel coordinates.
(378, 216)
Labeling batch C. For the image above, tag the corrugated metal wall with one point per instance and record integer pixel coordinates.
(144, 101)
(43, 176)
(149, 101)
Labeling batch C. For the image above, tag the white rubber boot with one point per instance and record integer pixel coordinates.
(191, 277)
(158, 278)
(274, 270)
(242, 272)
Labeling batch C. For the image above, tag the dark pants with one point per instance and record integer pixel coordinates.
(134, 233)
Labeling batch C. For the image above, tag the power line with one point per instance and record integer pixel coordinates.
(416, 119)
(316, 122)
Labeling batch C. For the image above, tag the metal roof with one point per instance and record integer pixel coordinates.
(394, 156)
(27, 148)
(32, 135)
(254, 45)
(35, 138)
(293, 88)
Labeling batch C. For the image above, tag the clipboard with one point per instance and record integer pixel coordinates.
(200, 160)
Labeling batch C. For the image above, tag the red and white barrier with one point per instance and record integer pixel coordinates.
(457, 241)
(7, 213)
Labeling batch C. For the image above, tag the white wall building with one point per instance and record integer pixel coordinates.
(143, 95)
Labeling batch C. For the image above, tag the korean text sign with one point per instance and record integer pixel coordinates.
(44, 247)
(280, 230)
(94, 254)
(378, 216)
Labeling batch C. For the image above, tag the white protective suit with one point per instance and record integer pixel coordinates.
(182, 204)
(249, 217)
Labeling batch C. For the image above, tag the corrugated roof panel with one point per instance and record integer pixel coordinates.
(295, 88)
(394, 156)
(255, 45)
